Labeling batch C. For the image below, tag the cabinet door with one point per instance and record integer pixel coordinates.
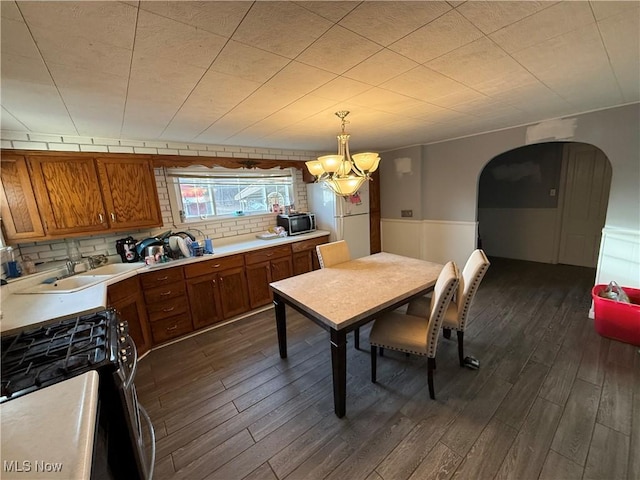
(129, 191)
(126, 297)
(233, 292)
(281, 268)
(68, 194)
(258, 279)
(302, 262)
(18, 208)
(204, 300)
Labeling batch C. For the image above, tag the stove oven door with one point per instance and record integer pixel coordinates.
(139, 424)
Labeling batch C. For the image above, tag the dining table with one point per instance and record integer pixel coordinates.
(343, 297)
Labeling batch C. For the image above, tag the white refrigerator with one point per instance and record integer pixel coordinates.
(347, 218)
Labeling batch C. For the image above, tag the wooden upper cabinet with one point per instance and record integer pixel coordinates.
(129, 192)
(68, 194)
(18, 208)
(81, 194)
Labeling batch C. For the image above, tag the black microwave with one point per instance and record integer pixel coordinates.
(297, 223)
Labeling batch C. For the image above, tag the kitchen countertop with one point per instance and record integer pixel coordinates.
(20, 311)
(50, 429)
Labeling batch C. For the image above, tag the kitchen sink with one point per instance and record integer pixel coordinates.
(67, 285)
(111, 269)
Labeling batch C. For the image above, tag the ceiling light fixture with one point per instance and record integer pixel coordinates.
(344, 173)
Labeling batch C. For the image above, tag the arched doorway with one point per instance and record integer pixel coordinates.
(545, 202)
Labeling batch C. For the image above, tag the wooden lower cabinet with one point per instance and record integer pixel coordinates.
(126, 298)
(167, 305)
(266, 266)
(217, 290)
(305, 258)
(171, 327)
(177, 300)
(204, 300)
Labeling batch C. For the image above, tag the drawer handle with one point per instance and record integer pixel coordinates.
(215, 266)
(164, 294)
(170, 329)
(160, 279)
(169, 309)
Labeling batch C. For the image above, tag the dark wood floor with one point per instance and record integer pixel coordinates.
(552, 399)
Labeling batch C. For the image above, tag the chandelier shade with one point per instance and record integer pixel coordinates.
(342, 172)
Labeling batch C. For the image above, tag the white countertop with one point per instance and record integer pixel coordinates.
(21, 311)
(50, 429)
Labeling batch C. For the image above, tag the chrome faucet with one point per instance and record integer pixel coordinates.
(96, 261)
(71, 267)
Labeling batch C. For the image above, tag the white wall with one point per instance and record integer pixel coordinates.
(451, 169)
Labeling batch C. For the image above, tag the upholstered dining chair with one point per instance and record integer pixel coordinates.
(330, 254)
(416, 334)
(456, 316)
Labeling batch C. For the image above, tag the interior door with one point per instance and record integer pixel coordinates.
(586, 196)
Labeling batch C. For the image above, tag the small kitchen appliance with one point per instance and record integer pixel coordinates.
(297, 223)
(126, 248)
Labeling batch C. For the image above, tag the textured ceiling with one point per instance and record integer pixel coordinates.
(272, 74)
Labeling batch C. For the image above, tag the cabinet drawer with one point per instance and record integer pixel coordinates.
(170, 308)
(212, 266)
(123, 289)
(164, 293)
(266, 254)
(310, 244)
(170, 328)
(161, 277)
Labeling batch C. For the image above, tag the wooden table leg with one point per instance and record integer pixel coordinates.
(281, 324)
(339, 367)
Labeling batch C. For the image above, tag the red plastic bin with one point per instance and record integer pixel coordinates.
(617, 320)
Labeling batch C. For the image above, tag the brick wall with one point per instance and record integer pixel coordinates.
(100, 244)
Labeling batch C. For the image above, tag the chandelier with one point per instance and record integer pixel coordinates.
(344, 173)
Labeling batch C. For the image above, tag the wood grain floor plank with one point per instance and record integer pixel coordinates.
(558, 382)
(322, 462)
(558, 467)
(528, 324)
(369, 454)
(594, 359)
(608, 455)
(417, 444)
(439, 464)
(213, 459)
(529, 451)
(261, 451)
(487, 454)
(515, 407)
(573, 436)
(263, 472)
(468, 426)
(617, 397)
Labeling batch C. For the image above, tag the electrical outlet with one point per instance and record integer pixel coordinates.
(552, 192)
(406, 213)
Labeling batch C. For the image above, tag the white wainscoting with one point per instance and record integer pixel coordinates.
(432, 240)
(619, 257)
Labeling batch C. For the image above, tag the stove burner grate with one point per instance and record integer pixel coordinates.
(45, 355)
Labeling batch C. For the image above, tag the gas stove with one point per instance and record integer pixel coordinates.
(42, 356)
(38, 357)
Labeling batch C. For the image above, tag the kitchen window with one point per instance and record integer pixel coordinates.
(201, 193)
